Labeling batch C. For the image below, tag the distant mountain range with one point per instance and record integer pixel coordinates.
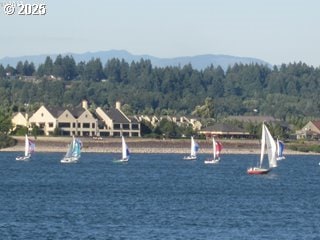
(197, 62)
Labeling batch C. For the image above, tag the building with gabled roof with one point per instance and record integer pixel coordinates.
(310, 131)
(113, 122)
(67, 123)
(45, 119)
(225, 131)
(19, 119)
(87, 123)
(80, 121)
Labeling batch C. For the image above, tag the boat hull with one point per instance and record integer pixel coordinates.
(258, 171)
(190, 158)
(212, 161)
(69, 160)
(23, 158)
(122, 160)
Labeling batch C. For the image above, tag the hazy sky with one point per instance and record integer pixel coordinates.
(277, 31)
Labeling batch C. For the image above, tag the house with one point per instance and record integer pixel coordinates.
(77, 121)
(113, 122)
(224, 130)
(310, 131)
(80, 121)
(19, 119)
(179, 120)
(67, 123)
(45, 119)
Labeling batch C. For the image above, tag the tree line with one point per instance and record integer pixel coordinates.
(288, 92)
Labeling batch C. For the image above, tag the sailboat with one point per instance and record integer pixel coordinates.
(267, 143)
(125, 151)
(217, 147)
(280, 148)
(193, 151)
(29, 147)
(74, 151)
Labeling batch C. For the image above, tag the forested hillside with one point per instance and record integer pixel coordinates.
(286, 92)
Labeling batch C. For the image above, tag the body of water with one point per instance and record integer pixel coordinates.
(157, 196)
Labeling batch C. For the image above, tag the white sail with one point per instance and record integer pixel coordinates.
(193, 148)
(266, 141)
(26, 146)
(74, 151)
(125, 150)
(271, 149)
(214, 148)
(29, 147)
(263, 144)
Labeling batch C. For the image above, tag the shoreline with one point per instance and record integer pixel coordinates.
(143, 145)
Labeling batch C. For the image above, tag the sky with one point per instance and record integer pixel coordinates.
(276, 31)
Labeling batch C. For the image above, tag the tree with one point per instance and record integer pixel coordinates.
(46, 68)
(206, 110)
(65, 67)
(19, 68)
(2, 71)
(28, 68)
(93, 70)
(5, 122)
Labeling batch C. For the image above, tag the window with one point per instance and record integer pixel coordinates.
(135, 126)
(86, 134)
(51, 125)
(86, 125)
(104, 134)
(116, 126)
(64, 125)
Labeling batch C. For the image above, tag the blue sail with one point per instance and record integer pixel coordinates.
(280, 149)
(77, 145)
(196, 147)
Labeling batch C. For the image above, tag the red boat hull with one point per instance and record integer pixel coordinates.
(257, 171)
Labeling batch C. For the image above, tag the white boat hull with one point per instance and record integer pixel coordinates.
(124, 160)
(69, 160)
(23, 158)
(212, 161)
(190, 157)
(281, 158)
(257, 170)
